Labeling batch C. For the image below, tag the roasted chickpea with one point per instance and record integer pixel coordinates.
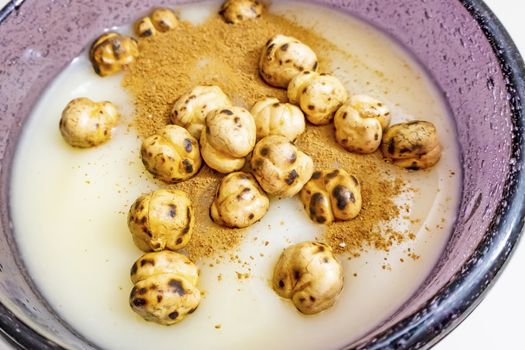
(283, 58)
(172, 155)
(228, 138)
(309, 275)
(144, 27)
(112, 52)
(281, 169)
(164, 19)
(413, 145)
(359, 124)
(160, 20)
(239, 201)
(166, 261)
(369, 107)
(86, 124)
(318, 95)
(161, 220)
(165, 287)
(236, 11)
(275, 118)
(191, 109)
(332, 195)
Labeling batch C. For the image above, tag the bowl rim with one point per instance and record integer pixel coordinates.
(434, 320)
(455, 301)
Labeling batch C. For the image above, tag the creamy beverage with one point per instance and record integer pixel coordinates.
(70, 211)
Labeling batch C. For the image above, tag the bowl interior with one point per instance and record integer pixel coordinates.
(41, 37)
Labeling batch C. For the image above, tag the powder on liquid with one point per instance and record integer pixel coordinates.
(208, 238)
(380, 184)
(212, 53)
(216, 53)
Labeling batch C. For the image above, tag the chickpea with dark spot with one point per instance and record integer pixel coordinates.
(161, 220)
(309, 274)
(237, 11)
(172, 155)
(239, 202)
(85, 123)
(275, 118)
(318, 95)
(164, 19)
(283, 58)
(332, 195)
(280, 167)
(229, 136)
(359, 124)
(165, 288)
(413, 145)
(112, 52)
(160, 20)
(190, 110)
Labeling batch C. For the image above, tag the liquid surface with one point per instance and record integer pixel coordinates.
(70, 207)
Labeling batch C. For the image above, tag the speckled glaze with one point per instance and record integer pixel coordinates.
(462, 45)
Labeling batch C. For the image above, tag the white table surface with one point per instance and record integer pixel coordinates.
(498, 322)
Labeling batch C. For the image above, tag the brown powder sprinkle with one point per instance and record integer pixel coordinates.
(216, 53)
(212, 53)
(380, 184)
(208, 238)
(242, 276)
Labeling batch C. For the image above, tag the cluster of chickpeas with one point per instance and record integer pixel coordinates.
(255, 151)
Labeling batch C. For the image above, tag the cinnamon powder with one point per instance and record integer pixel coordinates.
(212, 53)
(216, 53)
(380, 184)
(208, 238)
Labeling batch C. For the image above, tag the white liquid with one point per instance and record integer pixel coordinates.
(70, 207)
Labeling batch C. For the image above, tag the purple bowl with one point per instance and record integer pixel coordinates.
(463, 47)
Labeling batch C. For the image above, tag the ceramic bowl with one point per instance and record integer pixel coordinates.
(463, 47)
